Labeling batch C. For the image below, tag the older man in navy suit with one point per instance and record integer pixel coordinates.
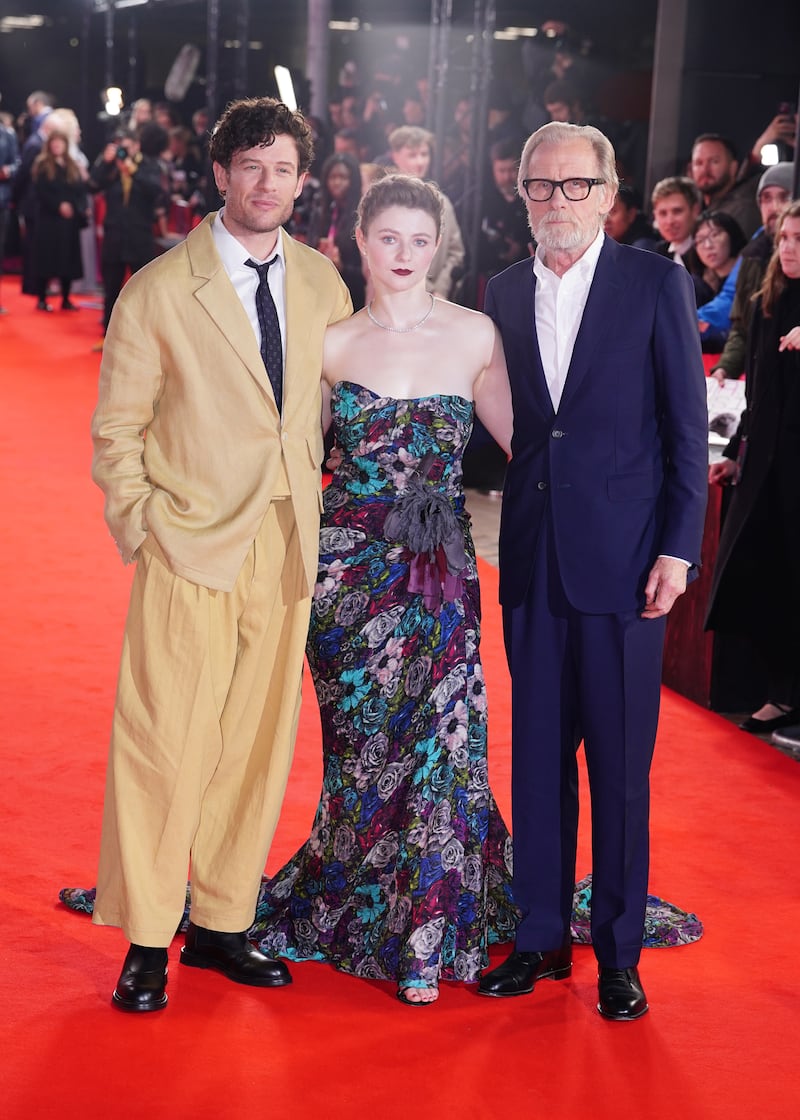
(602, 523)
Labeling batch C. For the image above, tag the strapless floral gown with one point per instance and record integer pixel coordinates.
(406, 875)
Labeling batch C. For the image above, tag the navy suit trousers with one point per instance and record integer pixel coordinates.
(594, 678)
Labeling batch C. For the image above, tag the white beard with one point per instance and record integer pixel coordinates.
(560, 238)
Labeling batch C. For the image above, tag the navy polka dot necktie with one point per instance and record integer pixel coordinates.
(271, 348)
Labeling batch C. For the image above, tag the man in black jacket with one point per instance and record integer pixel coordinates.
(676, 205)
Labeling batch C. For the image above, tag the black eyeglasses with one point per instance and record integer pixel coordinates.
(574, 190)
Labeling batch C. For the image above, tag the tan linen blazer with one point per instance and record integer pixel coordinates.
(188, 442)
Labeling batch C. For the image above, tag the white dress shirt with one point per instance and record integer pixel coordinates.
(559, 303)
(245, 278)
(677, 248)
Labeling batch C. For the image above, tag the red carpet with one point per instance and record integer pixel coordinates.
(721, 1037)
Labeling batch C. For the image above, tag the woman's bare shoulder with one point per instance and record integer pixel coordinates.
(339, 340)
(465, 318)
(469, 329)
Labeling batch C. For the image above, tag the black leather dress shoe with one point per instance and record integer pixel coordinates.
(621, 994)
(143, 980)
(234, 956)
(517, 975)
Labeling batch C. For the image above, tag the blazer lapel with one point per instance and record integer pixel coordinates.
(529, 357)
(600, 312)
(215, 293)
(300, 297)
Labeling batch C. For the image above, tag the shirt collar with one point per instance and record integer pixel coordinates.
(233, 253)
(681, 247)
(582, 268)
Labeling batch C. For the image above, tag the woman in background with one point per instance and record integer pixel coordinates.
(718, 242)
(65, 120)
(61, 202)
(756, 585)
(334, 219)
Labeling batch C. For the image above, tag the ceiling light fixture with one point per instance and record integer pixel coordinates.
(285, 87)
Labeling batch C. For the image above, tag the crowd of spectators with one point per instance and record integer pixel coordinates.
(151, 183)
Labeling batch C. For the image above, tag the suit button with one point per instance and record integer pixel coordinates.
(541, 485)
(557, 434)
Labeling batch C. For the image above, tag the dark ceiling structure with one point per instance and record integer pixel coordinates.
(77, 47)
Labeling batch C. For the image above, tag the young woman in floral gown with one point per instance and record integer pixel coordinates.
(406, 874)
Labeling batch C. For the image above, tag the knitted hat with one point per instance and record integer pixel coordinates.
(779, 175)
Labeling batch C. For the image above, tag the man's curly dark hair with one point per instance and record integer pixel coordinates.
(254, 122)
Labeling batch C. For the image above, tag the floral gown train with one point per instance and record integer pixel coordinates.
(406, 875)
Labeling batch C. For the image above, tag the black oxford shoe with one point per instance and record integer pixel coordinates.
(234, 956)
(143, 980)
(621, 994)
(517, 975)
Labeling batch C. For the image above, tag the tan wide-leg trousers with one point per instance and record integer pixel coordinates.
(202, 739)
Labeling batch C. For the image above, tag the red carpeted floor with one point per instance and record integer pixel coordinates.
(720, 1040)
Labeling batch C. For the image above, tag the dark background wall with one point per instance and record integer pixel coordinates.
(737, 64)
(740, 62)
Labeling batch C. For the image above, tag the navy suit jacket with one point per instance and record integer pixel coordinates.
(621, 468)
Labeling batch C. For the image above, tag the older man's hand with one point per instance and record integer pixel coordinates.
(667, 580)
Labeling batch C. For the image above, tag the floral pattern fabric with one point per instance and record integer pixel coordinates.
(406, 874)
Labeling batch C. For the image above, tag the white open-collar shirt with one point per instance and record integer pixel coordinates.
(678, 249)
(559, 303)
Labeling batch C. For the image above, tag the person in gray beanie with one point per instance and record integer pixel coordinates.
(774, 192)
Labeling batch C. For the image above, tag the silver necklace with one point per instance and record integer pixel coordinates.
(402, 330)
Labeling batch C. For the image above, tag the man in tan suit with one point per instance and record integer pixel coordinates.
(209, 455)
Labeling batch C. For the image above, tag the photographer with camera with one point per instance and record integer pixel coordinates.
(131, 177)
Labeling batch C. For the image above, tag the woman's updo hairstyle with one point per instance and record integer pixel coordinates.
(400, 190)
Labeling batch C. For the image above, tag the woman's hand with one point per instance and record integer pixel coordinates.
(335, 458)
(790, 341)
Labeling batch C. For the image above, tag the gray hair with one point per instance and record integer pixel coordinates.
(558, 132)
